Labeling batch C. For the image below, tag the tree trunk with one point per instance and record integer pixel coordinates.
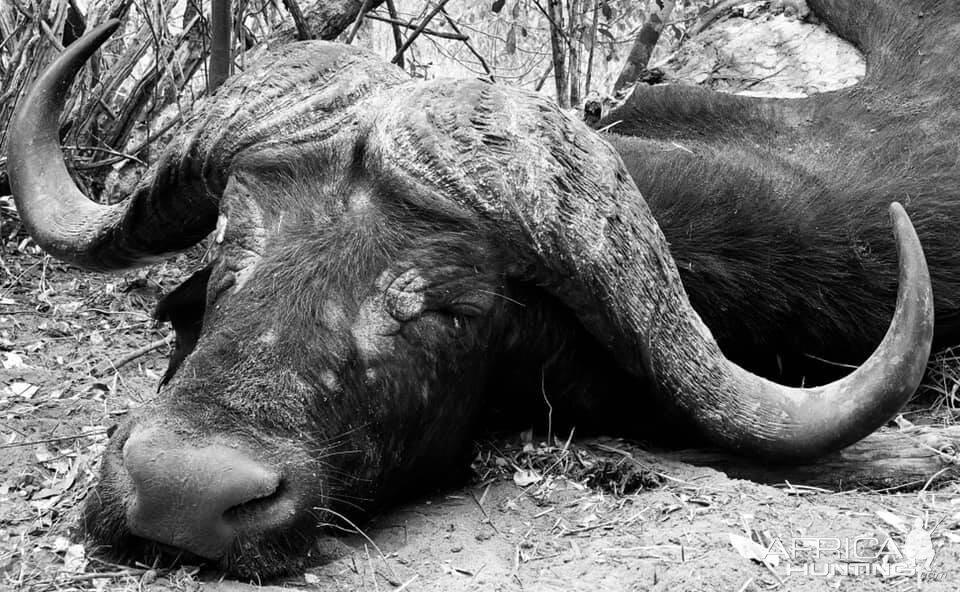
(643, 46)
(555, 9)
(593, 44)
(331, 17)
(573, 35)
(221, 43)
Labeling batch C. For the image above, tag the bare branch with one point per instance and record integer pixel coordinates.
(559, 55)
(466, 41)
(432, 32)
(576, 40)
(593, 43)
(303, 27)
(356, 23)
(397, 37)
(543, 78)
(420, 28)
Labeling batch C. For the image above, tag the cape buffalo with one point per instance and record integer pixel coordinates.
(393, 257)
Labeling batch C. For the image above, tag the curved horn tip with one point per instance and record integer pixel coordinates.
(898, 215)
(57, 214)
(827, 418)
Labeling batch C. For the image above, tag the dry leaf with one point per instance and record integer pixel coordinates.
(748, 549)
(918, 548)
(902, 422)
(12, 360)
(893, 520)
(60, 544)
(23, 389)
(525, 477)
(75, 559)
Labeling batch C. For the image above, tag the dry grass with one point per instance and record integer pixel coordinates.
(939, 392)
(59, 327)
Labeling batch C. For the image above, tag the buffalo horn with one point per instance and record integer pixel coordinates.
(60, 217)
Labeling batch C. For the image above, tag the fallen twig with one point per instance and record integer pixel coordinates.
(136, 354)
(51, 440)
(404, 585)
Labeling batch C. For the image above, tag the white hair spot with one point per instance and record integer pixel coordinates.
(333, 315)
(373, 329)
(330, 381)
(221, 229)
(244, 274)
(359, 201)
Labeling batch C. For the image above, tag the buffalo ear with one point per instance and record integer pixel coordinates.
(184, 308)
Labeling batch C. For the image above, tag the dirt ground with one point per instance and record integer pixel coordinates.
(565, 517)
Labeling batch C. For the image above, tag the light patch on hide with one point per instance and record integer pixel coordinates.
(268, 337)
(398, 299)
(373, 329)
(406, 295)
(302, 387)
(360, 201)
(221, 229)
(332, 315)
(241, 232)
(244, 274)
(370, 376)
(330, 381)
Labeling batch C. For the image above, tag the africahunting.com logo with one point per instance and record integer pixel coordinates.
(826, 556)
(836, 556)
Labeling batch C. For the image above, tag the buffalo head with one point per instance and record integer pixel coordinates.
(388, 256)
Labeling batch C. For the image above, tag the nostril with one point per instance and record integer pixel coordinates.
(257, 506)
(196, 498)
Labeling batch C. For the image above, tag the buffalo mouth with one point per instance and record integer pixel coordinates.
(267, 556)
(163, 500)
